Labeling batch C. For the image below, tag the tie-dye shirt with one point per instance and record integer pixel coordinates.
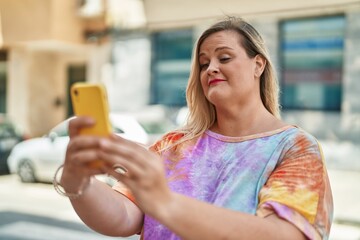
(279, 172)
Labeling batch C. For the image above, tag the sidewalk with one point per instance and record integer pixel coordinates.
(343, 163)
(346, 193)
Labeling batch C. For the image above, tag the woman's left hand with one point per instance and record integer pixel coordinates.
(145, 172)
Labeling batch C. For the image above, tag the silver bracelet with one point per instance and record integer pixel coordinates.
(60, 189)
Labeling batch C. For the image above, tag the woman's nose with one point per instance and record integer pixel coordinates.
(213, 68)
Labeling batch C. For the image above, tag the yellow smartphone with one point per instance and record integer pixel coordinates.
(90, 99)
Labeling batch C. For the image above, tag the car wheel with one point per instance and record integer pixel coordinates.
(26, 172)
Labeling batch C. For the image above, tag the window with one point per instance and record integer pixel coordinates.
(312, 58)
(170, 67)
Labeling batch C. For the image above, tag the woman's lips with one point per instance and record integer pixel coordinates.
(215, 81)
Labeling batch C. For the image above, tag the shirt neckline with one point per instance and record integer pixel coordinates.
(248, 137)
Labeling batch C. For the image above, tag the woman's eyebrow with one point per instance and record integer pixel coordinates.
(222, 48)
(216, 50)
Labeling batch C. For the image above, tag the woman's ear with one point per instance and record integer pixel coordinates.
(260, 65)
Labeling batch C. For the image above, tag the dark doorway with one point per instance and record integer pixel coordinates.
(76, 73)
(3, 80)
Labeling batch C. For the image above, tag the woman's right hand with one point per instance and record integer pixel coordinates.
(100, 207)
(81, 152)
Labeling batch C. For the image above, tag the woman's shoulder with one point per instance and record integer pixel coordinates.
(167, 139)
(296, 133)
(171, 137)
(299, 139)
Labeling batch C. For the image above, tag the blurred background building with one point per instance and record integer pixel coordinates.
(141, 50)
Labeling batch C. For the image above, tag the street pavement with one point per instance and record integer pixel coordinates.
(346, 193)
(343, 163)
(37, 212)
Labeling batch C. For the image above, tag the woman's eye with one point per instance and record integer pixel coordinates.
(224, 59)
(204, 66)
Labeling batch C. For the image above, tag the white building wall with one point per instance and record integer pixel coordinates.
(129, 89)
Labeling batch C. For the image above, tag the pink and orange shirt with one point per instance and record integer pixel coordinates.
(279, 172)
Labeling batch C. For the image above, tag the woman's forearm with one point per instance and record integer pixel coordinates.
(107, 211)
(192, 219)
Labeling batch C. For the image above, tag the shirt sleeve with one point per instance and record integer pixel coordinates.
(120, 188)
(298, 190)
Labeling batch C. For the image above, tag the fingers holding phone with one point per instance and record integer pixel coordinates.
(82, 149)
(78, 123)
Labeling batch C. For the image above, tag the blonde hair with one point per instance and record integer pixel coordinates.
(202, 114)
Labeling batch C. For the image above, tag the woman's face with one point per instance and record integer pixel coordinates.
(228, 76)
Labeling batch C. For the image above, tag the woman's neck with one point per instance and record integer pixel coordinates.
(246, 121)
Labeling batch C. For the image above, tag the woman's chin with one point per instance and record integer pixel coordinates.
(217, 97)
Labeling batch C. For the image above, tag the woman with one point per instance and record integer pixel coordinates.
(235, 171)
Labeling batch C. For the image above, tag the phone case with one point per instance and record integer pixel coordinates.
(90, 99)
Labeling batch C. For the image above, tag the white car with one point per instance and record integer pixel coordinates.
(182, 116)
(37, 159)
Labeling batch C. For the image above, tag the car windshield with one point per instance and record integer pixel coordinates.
(117, 130)
(61, 129)
(7, 130)
(157, 127)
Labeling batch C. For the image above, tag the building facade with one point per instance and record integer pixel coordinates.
(45, 46)
(313, 44)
